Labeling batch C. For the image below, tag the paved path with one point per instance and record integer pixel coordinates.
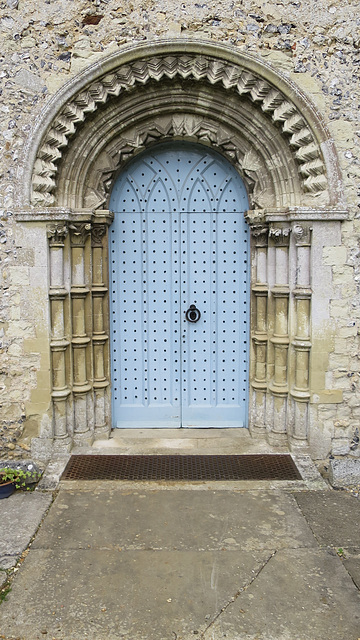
(175, 563)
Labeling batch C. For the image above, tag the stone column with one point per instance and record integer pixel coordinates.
(100, 338)
(59, 344)
(81, 360)
(280, 339)
(260, 292)
(301, 342)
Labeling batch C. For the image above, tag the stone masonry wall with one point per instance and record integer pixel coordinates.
(44, 43)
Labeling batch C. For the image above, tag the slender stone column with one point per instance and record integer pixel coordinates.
(280, 338)
(301, 342)
(99, 336)
(59, 344)
(83, 401)
(260, 292)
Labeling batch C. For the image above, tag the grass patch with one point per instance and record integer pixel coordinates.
(4, 592)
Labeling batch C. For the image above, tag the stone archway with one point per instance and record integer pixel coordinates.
(197, 92)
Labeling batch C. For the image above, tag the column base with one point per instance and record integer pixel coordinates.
(299, 445)
(46, 448)
(83, 439)
(257, 432)
(101, 433)
(277, 439)
(62, 445)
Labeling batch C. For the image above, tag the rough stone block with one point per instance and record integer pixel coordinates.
(41, 448)
(328, 396)
(344, 473)
(340, 446)
(19, 275)
(335, 255)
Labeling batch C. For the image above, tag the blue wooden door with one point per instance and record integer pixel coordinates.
(179, 285)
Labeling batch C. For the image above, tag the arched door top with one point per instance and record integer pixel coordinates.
(180, 177)
(259, 98)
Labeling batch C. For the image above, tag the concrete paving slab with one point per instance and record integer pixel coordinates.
(352, 565)
(191, 520)
(302, 595)
(168, 563)
(333, 516)
(134, 595)
(20, 516)
(3, 577)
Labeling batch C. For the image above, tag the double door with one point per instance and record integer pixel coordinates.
(179, 291)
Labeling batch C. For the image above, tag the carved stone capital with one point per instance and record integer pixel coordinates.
(255, 217)
(98, 231)
(56, 234)
(280, 236)
(260, 233)
(79, 232)
(302, 235)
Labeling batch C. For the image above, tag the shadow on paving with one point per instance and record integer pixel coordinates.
(177, 564)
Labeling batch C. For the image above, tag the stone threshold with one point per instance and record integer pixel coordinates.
(183, 441)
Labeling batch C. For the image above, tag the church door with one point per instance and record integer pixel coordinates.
(179, 291)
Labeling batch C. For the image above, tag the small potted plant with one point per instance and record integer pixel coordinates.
(11, 479)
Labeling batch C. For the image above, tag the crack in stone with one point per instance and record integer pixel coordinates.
(235, 597)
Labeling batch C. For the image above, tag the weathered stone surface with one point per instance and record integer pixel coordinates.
(346, 472)
(143, 564)
(180, 520)
(333, 517)
(352, 565)
(297, 594)
(124, 593)
(20, 515)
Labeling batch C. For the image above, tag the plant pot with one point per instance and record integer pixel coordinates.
(6, 489)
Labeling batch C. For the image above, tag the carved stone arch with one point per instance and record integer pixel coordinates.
(86, 177)
(194, 66)
(266, 127)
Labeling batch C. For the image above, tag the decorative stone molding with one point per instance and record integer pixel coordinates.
(260, 293)
(79, 232)
(302, 235)
(56, 234)
(98, 232)
(280, 236)
(59, 345)
(206, 69)
(301, 344)
(260, 233)
(192, 128)
(95, 158)
(100, 337)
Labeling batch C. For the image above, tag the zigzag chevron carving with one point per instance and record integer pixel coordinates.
(200, 68)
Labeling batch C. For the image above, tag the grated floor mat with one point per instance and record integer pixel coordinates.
(181, 467)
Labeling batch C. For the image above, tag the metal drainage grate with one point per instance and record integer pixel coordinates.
(179, 467)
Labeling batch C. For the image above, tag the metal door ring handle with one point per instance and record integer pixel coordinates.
(193, 314)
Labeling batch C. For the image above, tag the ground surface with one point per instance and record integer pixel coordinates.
(173, 563)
